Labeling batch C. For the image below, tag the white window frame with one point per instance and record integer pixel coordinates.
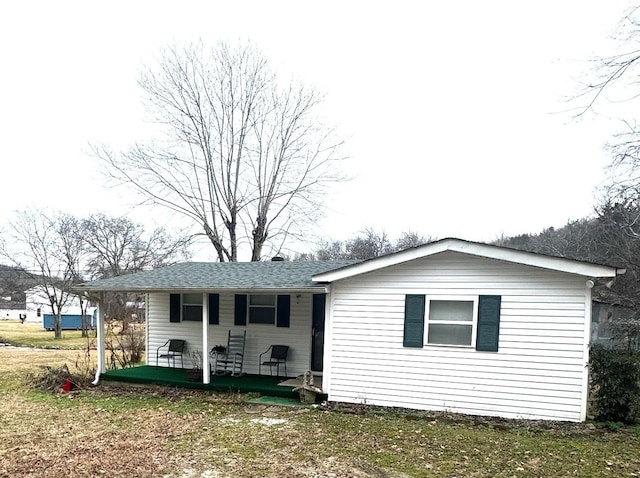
(262, 306)
(451, 298)
(184, 303)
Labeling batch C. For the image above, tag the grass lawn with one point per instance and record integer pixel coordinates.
(33, 335)
(161, 432)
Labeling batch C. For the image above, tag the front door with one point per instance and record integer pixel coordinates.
(317, 331)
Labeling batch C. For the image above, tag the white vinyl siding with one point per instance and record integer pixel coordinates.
(259, 337)
(538, 372)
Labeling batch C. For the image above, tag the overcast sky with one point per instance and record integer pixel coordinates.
(455, 113)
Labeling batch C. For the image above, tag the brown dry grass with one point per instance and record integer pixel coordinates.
(159, 432)
(134, 432)
(86, 433)
(54, 441)
(33, 335)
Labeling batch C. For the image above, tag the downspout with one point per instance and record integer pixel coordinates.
(100, 366)
(588, 317)
(585, 350)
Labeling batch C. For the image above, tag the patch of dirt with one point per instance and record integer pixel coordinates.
(269, 422)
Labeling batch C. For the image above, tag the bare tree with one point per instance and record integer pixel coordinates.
(615, 80)
(613, 235)
(330, 250)
(614, 73)
(410, 239)
(370, 243)
(47, 245)
(74, 252)
(116, 246)
(238, 154)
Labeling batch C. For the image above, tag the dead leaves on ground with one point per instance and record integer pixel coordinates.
(42, 439)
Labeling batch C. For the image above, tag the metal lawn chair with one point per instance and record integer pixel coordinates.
(278, 357)
(174, 349)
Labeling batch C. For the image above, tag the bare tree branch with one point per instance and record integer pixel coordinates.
(237, 154)
(616, 72)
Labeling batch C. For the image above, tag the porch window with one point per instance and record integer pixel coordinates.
(451, 322)
(192, 307)
(189, 307)
(262, 309)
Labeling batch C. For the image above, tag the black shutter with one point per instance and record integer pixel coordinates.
(240, 316)
(488, 323)
(317, 337)
(284, 311)
(414, 320)
(174, 307)
(214, 309)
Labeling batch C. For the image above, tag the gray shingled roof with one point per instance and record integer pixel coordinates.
(219, 275)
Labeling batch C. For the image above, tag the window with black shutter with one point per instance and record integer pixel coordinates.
(462, 321)
(188, 307)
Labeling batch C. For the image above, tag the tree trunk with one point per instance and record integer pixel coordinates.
(83, 317)
(259, 234)
(215, 241)
(57, 325)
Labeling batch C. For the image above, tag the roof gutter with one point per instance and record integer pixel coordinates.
(318, 288)
(609, 283)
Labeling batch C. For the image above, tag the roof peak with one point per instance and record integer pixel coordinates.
(489, 251)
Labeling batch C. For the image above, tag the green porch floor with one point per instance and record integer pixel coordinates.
(177, 377)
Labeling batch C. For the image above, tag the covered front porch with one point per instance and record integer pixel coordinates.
(203, 306)
(176, 377)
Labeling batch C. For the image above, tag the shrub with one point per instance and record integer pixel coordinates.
(126, 346)
(610, 426)
(615, 380)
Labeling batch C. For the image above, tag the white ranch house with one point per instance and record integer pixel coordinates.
(451, 325)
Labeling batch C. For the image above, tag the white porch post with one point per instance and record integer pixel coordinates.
(205, 338)
(100, 362)
(328, 341)
(146, 328)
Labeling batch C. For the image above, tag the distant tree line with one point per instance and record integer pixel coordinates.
(611, 237)
(367, 244)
